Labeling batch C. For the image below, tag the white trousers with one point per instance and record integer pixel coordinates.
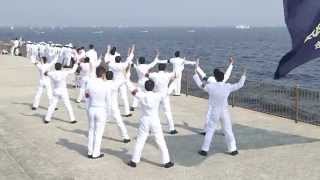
(97, 118)
(177, 83)
(143, 133)
(83, 85)
(42, 85)
(115, 114)
(166, 107)
(64, 96)
(226, 123)
(208, 116)
(135, 101)
(123, 90)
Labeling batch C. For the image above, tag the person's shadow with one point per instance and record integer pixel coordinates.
(183, 148)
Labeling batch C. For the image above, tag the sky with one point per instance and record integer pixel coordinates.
(141, 13)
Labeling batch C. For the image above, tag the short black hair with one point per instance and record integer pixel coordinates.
(91, 46)
(162, 67)
(109, 75)
(100, 71)
(58, 66)
(118, 59)
(149, 85)
(86, 59)
(219, 75)
(177, 54)
(113, 50)
(44, 59)
(142, 60)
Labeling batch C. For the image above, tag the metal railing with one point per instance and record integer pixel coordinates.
(292, 102)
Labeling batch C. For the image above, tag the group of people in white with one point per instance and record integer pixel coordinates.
(103, 79)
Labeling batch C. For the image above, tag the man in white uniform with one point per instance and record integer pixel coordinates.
(44, 82)
(96, 94)
(113, 110)
(142, 69)
(212, 79)
(218, 100)
(149, 122)
(162, 80)
(111, 54)
(15, 45)
(85, 72)
(34, 53)
(119, 70)
(178, 67)
(93, 56)
(60, 91)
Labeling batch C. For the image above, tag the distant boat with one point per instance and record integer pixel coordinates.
(191, 31)
(243, 27)
(12, 28)
(144, 31)
(98, 32)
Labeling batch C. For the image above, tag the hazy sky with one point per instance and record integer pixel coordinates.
(141, 12)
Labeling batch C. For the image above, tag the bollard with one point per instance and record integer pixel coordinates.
(296, 103)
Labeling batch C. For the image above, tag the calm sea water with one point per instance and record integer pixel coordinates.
(257, 49)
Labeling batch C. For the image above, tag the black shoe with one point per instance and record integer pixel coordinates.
(131, 108)
(34, 108)
(89, 156)
(177, 95)
(168, 165)
(128, 115)
(173, 132)
(126, 141)
(56, 109)
(100, 156)
(203, 153)
(73, 122)
(46, 122)
(202, 133)
(132, 164)
(234, 153)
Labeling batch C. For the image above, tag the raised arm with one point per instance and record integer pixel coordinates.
(107, 55)
(73, 70)
(199, 71)
(200, 84)
(229, 70)
(154, 62)
(239, 84)
(188, 62)
(130, 55)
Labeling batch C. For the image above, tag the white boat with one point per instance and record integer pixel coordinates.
(98, 32)
(243, 27)
(191, 31)
(144, 31)
(12, 28)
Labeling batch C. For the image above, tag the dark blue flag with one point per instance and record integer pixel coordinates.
(303, 21)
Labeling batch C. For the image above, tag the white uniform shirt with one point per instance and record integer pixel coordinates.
(178, 64)
(219, 91)
(119, 69)
(161, 80)
(85, 69)
(97, 91)
(92, 54)
(108, 58)
(59, 78)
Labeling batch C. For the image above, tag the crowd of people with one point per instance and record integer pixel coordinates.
(103, 79)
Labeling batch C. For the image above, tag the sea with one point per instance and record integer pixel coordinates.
(257, 49)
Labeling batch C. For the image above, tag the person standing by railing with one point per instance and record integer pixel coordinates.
(218, 100)
(212, 79)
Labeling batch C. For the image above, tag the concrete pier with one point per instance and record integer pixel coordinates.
(270, 147)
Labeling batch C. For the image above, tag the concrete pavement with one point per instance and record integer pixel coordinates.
(270, 147)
